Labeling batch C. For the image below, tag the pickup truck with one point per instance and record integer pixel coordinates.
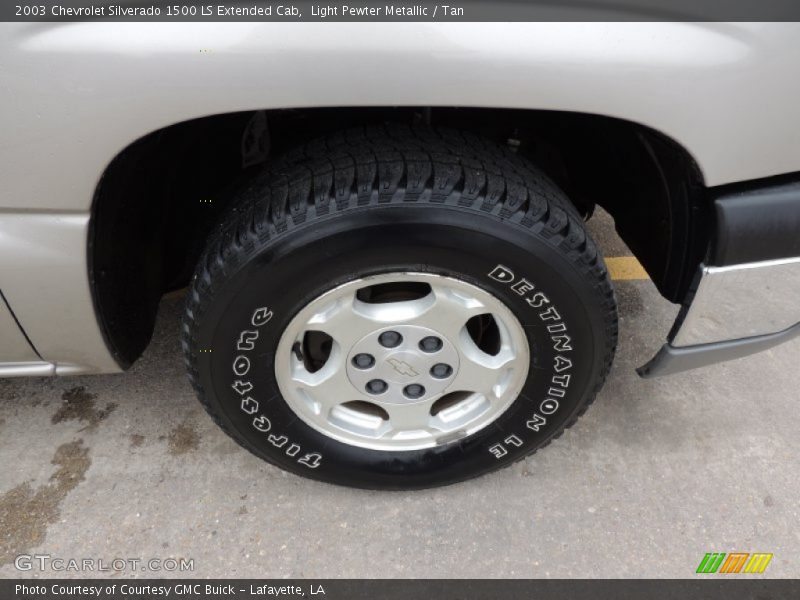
(381, 226)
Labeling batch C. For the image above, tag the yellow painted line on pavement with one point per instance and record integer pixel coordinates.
(625, 267)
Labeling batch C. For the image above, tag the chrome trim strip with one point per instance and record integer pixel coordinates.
(670, 360)
(27, 369)
(742, 301)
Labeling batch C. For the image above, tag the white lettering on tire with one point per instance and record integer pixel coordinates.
(562, 344)
(246, 342)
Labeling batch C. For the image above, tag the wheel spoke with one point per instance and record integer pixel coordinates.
(409, 417)
(448, 311)
(343, 321)
(481, 372)
(327, 387)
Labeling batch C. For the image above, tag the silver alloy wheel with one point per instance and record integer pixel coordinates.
(402, 374)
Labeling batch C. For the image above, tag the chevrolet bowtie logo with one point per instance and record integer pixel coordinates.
(403, 367)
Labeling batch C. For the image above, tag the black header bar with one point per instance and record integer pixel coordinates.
(412, 11)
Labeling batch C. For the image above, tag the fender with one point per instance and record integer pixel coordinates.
(680, 79)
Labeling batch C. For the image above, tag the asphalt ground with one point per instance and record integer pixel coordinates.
(656, 474)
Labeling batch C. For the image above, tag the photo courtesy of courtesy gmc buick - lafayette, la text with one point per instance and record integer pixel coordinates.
(381, 226)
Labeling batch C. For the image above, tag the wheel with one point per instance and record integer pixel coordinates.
(398, 308)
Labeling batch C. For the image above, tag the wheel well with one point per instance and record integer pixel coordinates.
(159, 198)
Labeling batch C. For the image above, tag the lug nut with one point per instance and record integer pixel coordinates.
(390, 339)
(430, 344)
(376, 386)
(414, 391)
(363, 361)
(441, 371)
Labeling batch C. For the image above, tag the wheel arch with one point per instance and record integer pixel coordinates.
(160, 196)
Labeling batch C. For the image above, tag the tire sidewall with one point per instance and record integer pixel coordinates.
(557, 303)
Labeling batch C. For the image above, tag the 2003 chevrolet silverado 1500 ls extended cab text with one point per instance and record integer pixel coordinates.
(382, 225)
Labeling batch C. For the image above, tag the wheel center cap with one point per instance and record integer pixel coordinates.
(401, 364)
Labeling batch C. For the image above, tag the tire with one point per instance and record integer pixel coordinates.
(386, 202)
